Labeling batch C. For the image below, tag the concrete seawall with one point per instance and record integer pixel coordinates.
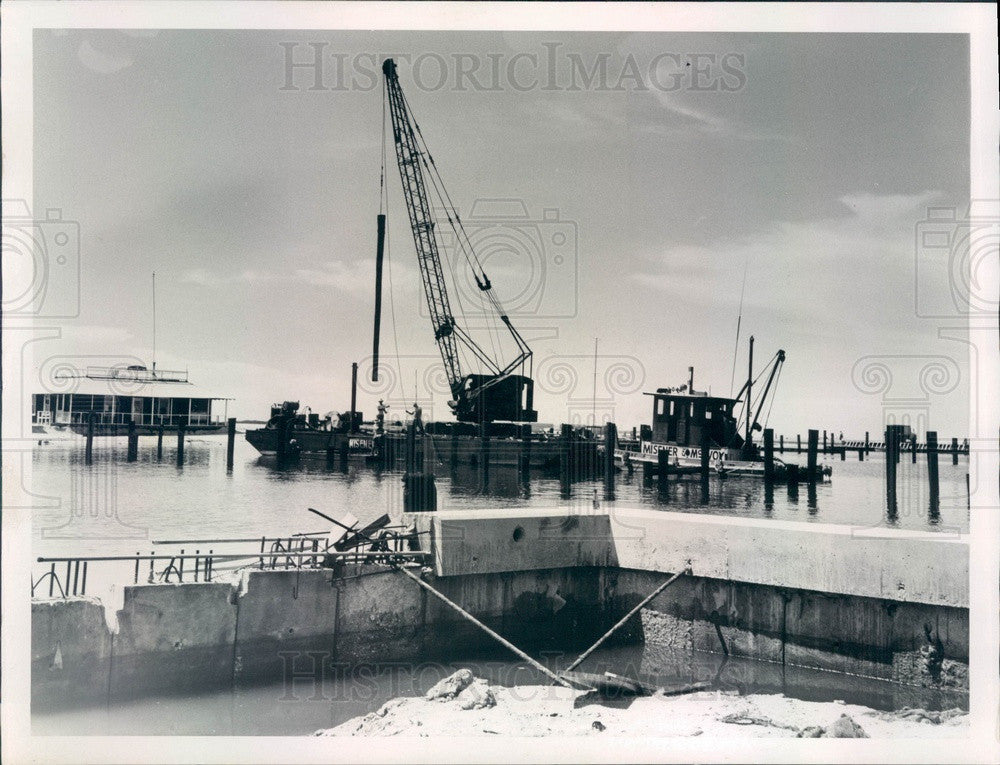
(882, 603)
(879, 602)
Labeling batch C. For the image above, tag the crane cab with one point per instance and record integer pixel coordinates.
(489, 398)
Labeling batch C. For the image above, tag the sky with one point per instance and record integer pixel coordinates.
(618, 186)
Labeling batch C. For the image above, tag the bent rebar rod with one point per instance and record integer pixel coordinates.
(506, 643)
(625, 618)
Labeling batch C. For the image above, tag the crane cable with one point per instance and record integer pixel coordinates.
(739, 320)
(463, 358)
(747, 401)
(774, 393)
(423, 153)
(437, 184)
(462, 237)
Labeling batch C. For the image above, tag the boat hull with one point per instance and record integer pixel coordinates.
(267, 441)
(690, 457)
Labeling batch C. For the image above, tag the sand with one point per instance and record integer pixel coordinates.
(557, 711)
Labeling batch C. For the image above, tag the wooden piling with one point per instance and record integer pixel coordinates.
(861, 454)
(484, 451)
(159, 440)
(419, 491)
(132, 452)
(181, 428)
(824, 442)
(792, 474)
(781, 444)
(811, 462)
(932, 467)
(891, 445)
(843, 453)
(913, 452)
(798, 444)
(565, 456)
(610, 442)
(411, 449)
(662, 469)
(954, 451)
(868, 447)
(88, 454)
(354, 398)
(344, 452)
(525, 449)
(706, 455)
(230, 444)
(768, 455)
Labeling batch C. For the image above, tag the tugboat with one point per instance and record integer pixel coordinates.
(683, 417)
(289, 433)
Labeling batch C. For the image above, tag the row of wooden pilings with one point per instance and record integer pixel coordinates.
(132, 449)
(577, 460)
(831, 447)
(893, 452)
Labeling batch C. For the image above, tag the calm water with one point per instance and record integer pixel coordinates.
(113, 507)
(306, 705)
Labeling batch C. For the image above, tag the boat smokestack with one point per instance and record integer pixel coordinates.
(691, 380)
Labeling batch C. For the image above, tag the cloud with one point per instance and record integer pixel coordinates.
(351, 277)
(99, 61)
(857, 268)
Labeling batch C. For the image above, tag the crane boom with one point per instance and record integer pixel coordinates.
(499, 394)
(422, 225)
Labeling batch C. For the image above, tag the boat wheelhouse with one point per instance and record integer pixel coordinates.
(118, 395)
(685, 419)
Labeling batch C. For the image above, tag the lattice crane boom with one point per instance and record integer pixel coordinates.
(498, 394)
(422, 225)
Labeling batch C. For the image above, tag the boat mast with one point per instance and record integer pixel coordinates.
(154, 323)
(593, 401)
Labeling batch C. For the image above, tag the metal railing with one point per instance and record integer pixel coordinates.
(74, 583)
(294, 552)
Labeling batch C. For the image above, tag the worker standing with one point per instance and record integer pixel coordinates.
(418, 418)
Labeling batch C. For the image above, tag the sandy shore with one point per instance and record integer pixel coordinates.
(481, 710)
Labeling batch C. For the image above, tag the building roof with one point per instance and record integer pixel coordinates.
(87, 386)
